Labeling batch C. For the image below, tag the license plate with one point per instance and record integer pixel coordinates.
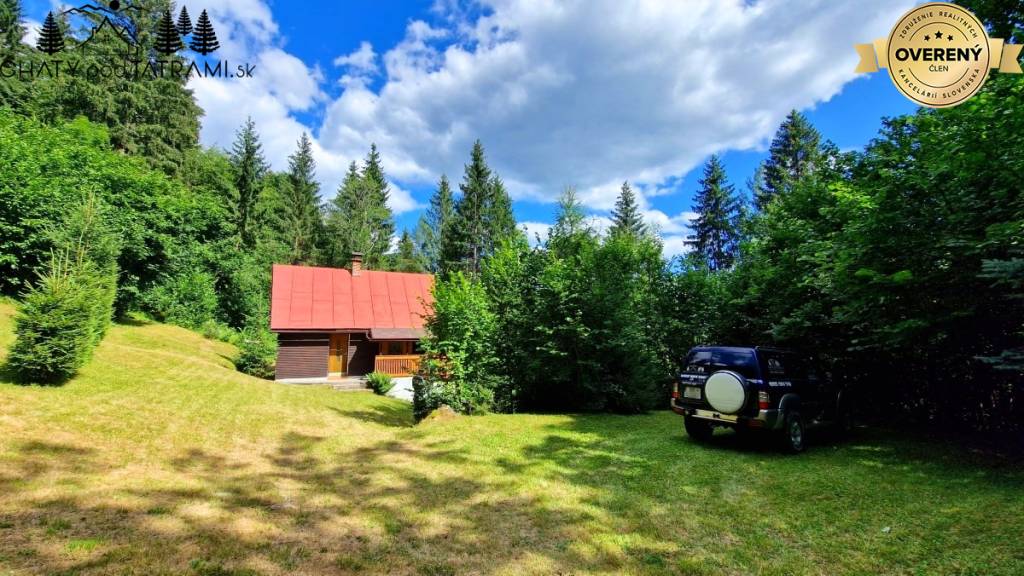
(691, 392)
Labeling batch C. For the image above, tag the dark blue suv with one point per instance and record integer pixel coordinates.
(757, 389)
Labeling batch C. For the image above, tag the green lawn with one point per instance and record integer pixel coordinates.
(160, 459)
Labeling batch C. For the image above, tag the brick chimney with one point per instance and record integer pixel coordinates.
(357, 263)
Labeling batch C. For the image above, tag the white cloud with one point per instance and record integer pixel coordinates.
(401, 201)
(393, 244)
(362, 61)
(246, 25)
(675, 246)
(592, 93)
(32, 28)
(599, 224)
(584, 93)
(282, 86)
(666, 224)
(536, 232)
(287, 78)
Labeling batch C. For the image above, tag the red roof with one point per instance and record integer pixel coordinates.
(309, 298)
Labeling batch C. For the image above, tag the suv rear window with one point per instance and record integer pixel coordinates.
(708, 360)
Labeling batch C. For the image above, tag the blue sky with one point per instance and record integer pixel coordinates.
(561, 93)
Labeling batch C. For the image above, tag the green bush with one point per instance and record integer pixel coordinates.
(60, 322)
(188, 298)
(257, 352)
(380, 383)
(459, 368)
(441, 382)
(65, 315)
(44, 169)
(218, 331)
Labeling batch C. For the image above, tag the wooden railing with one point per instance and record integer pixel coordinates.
(397, 365)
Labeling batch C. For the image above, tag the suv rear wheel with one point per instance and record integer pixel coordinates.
(698, 429)
(793, 433)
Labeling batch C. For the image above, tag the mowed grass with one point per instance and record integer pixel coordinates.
(160, 459)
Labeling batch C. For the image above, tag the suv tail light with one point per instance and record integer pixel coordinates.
(675, 389)
(763, 402)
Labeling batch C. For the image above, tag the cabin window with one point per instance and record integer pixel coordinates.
(395, 348)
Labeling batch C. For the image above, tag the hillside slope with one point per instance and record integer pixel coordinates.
(161, 459)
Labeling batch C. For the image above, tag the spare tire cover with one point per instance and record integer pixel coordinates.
(726, 392)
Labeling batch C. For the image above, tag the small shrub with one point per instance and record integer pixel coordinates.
(380, 383)
(187, 298)
(217, 331)
(443, 382)
(257, 352)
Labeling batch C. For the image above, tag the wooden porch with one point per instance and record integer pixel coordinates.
(398, 365)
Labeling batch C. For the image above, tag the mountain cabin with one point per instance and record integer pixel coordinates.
(333, 323)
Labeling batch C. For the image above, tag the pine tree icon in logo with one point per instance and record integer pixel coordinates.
(184, 22)
(51, 39)
(204, 39)
(167, 39)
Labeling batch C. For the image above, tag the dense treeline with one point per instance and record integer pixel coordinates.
(195, 248)
(901, 264)
(198, 229)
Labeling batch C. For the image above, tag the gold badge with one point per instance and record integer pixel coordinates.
(939, 55)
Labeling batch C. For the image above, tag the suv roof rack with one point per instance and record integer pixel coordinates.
(775, 349)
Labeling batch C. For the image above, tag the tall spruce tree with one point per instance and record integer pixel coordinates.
(11, 29)
(405, 259)
(184, 22)
(501, 221)
(13, 92)
(716, 231)
(381, 219)
(155, 118)
(434, 225)
(570, 225)
(468, 240)
(51, 37)
(250, 168)
(358, 218)
(301, 219)
(483, 216)
(795, 152)
(168, 41)
(346, 221)
(204, 38)
(626, 217)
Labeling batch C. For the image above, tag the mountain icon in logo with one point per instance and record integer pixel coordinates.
(109, 18)
(121, 32)
(170, 36)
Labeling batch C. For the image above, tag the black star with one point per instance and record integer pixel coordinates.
(938, 34)
(949, 37)
(927, 38)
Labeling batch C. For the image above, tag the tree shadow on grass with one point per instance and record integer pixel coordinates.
(702, 506)
(587, 494)
(8, 375)
(390, 507)
(394, 414)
